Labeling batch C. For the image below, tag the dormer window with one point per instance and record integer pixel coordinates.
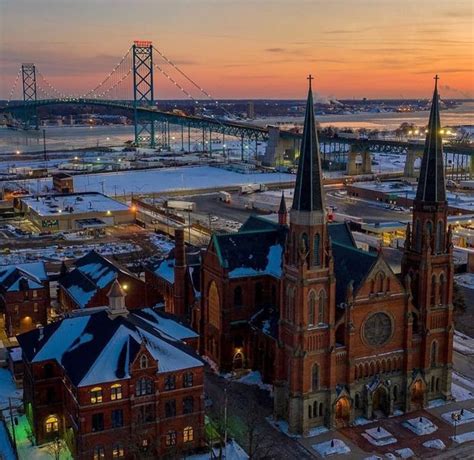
(143, 362)
(96, 395)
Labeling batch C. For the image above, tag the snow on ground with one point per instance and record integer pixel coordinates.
(405, 452)
(437, 403)
(420, 426)
(466, 416)
(463, 343)
(460, 393)
(466, 280)
(233, 452)
(282, 426)
(56, 253)
(161, 242)
(334, 446)
(6, 449)
(379, 436)
(465, 437)
(8, 389)
(162, 180)
(435, 444)
(361, 421)
(255, 378)
(316, 431)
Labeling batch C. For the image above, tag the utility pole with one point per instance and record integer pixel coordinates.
(12, 421)
(44, 146)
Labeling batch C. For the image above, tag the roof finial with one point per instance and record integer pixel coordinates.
(310, 78)
(436, 78)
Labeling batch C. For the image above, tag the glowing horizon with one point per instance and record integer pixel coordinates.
(250, 49)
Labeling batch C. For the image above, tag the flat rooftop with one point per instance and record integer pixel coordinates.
(73, 203)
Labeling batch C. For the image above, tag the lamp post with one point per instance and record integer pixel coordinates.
(455, 416)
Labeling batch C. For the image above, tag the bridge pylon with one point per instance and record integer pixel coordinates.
(28, 73)
(142, 67)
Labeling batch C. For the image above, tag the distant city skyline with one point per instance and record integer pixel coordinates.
(250, 49)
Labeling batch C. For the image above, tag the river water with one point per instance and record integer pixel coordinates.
(74, 137)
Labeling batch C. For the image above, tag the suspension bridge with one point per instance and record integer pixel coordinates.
(129, 88)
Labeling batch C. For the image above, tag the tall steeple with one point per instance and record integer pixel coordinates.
(431, 184)
(309, 195)
(282, 211)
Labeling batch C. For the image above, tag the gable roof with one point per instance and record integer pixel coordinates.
(258, 223)
(14, 278)
(96, 348)
(350, 264)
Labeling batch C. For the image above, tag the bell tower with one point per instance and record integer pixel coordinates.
(428, 270)
(306, 331)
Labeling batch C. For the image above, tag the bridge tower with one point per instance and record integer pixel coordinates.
(28, 73)
(142, 67)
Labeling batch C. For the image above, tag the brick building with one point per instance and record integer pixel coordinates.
(113, 386)
(88, 284)
(24, 296)
(175, 280)
(344, 334)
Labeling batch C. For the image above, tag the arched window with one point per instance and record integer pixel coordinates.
(238, 296)
(51, 424)
(322, 306)
(437, 384)
(310, 411)
(304, 246)
(316, 250)
(434, 286)
(357, 401)
(315, 408)
(418, 235)
(170, 439)
(320, 409)
(118, 451)
(442, 290)
(432, 386)
(99, 453)
(188, 434)
(416, 324)
(144, 387)
(379, 281)
(311, 308)
(116, 392)
(429, 229)
(290, 304)
(439, 236)
(96, 395)
(434, 353)
(213, 305)
(143, 362)
(315, 377)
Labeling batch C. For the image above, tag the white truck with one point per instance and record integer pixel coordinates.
(252, 188)
(224, 196)
(181, 205)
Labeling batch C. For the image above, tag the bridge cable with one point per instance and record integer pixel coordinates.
(13, 87)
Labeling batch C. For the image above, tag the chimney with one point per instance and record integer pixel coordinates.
(179, 306)
(116, 297)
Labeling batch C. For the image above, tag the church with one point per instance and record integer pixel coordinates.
(337, 332)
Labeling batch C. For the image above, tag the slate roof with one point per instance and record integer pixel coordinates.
(431, 184)
(96, 348)
(14, 278)
(266, 320)
(91, 273)
(309, 194)
(350, 263)
(258, 223)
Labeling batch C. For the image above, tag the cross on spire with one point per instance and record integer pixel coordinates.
(436, 78)
(310, 78)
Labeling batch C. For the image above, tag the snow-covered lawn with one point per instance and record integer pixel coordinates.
(232, 452)
(466, 280)
(463, 343)
(6, 449)
(466, 417)
(435, 444)
(437, 403)
(465, 437)
(334, 446)
(379, 436)
(420, 426)
(361, 421)
(316, 431)
(460, 393)
(282, 426)
(405, 452)
(255, 378)
(8, 389)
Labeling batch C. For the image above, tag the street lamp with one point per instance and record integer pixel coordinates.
(455, 416)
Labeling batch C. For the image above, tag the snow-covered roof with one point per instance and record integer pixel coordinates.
(74, 203)
(96, 348)
(17, 277)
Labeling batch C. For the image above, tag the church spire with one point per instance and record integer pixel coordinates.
(282, 211)
(431, 184)
(308, 190)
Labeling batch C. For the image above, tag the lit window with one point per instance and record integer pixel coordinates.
(118, 451)
(16, 309)
(143, 362)
(96, 395)
(188, 434)
(171, 438)
(52, 424)
(35, 307)
(35, 293)
(99, 453)
(116, 392)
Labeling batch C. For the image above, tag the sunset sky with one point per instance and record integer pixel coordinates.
(250, 49)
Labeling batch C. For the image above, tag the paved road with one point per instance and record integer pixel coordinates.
(249, 405)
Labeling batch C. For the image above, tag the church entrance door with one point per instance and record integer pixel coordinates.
(380, 401)
(343, 412)
(417, 394)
